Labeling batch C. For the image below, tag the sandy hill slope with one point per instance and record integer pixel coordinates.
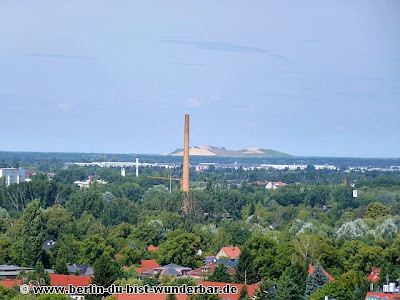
(206, 150)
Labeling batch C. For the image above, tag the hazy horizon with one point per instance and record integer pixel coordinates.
(307, 79)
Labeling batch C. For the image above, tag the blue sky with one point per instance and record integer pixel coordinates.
(318, 78)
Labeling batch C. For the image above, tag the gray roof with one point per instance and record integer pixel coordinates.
(174, 266)
(6, 268)
(83, 270)
(48, 244)
(171, 272)
(11, 270)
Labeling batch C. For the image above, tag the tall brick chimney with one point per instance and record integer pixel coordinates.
(185, 175)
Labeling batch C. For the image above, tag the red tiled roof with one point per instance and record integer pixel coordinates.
(374, 276)
(147, 264)
(65, 280)
(231, 252)
(117, 255)
(29, 173)
(152, 248)
(311, 269)
(210, 270)
(9, 283)
(388, 296)
(251, 289)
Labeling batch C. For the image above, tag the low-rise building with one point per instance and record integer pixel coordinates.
(232, 252)
(81, 270)
(12, 175)
(172, 270)
(11, 271)
(207, 270)
(66, 280)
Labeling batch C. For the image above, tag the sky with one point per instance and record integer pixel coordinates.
(309, 78)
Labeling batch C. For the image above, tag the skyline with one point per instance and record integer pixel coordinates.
(308, 80)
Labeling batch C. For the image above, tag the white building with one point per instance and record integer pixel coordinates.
(12, 175)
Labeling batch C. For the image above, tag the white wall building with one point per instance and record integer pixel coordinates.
(12, 175)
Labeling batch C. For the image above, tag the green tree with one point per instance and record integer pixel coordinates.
(315, 280)
(180, 248)
(334, 290)
(265, 291)
(291, 284)
(61, 266)
(67, 248)
(106, 271)
(256, 258)
(6, 293)
(92, 248)
(220, 274)
(171, 297)
(87, 199)
(245, 271)
(32, 234)
(376, 210)
(57, 220)
(244, 294)
(287, 289)
(39, 274)
(129, 256)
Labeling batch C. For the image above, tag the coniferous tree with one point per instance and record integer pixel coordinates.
(265, 291)
(39, 274)
(287, 289)
(245, 272)
(61, 266)
(171, 297)
(106, 271)
(32, 234)
(220, 274)
(315, 280)
(244, 295)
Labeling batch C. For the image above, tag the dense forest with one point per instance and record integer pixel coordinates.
(314, 219)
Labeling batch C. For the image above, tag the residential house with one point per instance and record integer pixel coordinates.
(86, 183)
(274, 185)
(209, 259)
(146, 265)
(10, 283)
(48, 244)
(153, 248)
(231, 252)
(82, 270)
(230, 263)
(65, 280)
(172, 270)
(208, 269)
(386, 292)
(382, 296)
(374, 275)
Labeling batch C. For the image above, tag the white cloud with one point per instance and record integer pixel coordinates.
(192, 102)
